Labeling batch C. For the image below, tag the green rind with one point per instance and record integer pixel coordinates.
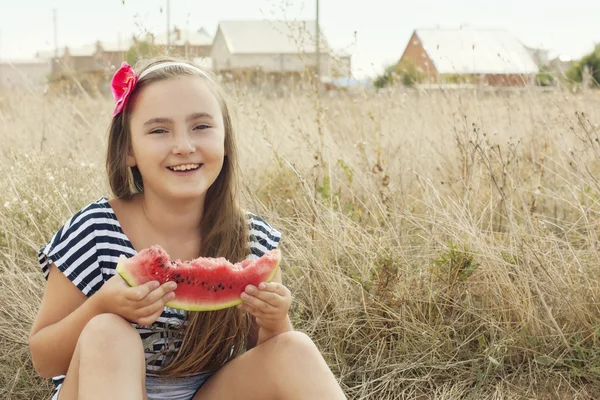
(123, 272)
(187, 306)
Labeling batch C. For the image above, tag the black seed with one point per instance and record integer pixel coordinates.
(230, 287)
(176, 276)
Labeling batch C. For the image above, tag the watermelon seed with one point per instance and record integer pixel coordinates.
(230, 287)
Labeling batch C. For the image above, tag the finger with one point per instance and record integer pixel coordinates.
(157, 294)
(258, 303)
(137, 293)
(251, 310)
(271, 298)
(274, 287)
(156, 306)
(145, 321)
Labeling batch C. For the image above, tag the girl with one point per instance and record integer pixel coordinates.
(172, 165)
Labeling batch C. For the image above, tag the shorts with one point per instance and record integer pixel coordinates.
(181, 388)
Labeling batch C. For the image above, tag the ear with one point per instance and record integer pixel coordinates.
(131, 160)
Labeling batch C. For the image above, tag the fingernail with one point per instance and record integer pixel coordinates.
(250, 289)
(245, 296)
(262, 286)
(155, 284)
(173, 286)
(171, 296)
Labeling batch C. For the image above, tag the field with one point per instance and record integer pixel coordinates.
(439, 245)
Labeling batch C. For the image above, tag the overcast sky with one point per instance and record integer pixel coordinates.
(375, 32)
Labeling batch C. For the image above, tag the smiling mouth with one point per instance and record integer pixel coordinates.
(185, 167)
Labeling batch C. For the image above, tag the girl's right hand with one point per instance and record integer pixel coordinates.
(140, 304)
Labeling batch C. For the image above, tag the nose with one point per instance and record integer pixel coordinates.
(183, 144)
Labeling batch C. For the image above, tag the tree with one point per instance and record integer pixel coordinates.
(141, 49)
(406, 70)
(387, 78)
(592, 62)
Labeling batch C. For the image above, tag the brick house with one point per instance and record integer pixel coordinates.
(484, 57)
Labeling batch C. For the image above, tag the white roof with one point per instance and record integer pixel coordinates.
(271, 37)
(199, 37)
(470, 51)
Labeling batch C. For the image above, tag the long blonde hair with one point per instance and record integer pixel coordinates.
(209, 339)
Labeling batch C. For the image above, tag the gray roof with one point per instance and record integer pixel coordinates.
(271, 37)
(471, 51)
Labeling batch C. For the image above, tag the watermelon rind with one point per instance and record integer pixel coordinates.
(127, 277)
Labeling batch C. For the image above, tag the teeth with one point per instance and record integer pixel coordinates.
(185, 167)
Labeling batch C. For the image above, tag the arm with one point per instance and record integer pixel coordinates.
(63, 313)
(270, 308)
(286, 324)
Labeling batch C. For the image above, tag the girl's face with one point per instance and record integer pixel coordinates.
(177, 137)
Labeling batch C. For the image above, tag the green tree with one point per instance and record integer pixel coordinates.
(141, 49)
(405, 71)
(410, 72)
(385, 79)
(592, 62)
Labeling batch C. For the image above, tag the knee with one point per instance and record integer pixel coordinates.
(105, 330)
(298, 345)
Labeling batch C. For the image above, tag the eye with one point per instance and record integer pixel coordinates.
(202, 126)
(159, 130)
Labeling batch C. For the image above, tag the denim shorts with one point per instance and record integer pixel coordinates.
(180, 388)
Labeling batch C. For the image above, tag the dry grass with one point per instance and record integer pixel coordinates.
(438, 245)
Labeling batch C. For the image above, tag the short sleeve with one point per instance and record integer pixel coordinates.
(74, 252)
(263, 236)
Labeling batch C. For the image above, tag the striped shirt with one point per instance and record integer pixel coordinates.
(86, 250)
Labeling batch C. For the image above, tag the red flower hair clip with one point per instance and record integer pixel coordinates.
(122, 85)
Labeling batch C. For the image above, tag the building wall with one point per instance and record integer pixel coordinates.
(281, 62)
(416, 53)
(516, 80)
(23, 74)
(220, 53)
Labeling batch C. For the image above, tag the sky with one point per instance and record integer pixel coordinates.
(375, 32)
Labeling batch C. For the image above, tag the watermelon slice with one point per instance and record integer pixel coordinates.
(203, 284)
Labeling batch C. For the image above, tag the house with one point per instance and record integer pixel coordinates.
(186, 43)
(105, 57)
(96, 58)
(23, 73)
(275, 48)
(492, 57)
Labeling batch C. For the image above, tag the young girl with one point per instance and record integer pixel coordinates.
(172, 165)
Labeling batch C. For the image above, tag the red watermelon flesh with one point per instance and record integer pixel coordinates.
(203, 284)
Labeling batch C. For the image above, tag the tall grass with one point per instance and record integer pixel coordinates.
(439, 245)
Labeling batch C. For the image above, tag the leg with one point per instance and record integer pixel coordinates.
(108, 362)
(288, 366)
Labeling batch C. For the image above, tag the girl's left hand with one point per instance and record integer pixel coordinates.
(269, 304)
